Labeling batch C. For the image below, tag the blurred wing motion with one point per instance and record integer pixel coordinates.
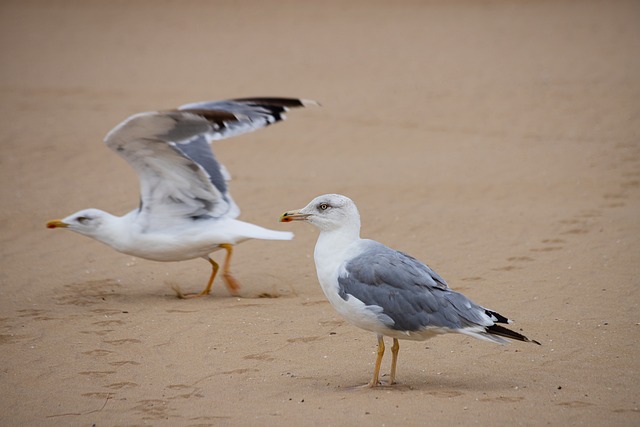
(179, 174)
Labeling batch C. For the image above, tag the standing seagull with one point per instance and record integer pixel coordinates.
(185, 209)
(385, 291)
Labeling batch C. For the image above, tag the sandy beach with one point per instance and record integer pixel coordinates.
(497, 141)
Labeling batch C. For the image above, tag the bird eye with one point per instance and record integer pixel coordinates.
(83, 219)
(323, 206)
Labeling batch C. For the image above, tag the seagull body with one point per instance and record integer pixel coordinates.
(386, 291)
(186, 210)
(182, 241)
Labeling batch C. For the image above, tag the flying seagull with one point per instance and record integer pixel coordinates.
(386, 291)
(185, 209)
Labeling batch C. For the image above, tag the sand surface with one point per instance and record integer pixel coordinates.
(497, 141)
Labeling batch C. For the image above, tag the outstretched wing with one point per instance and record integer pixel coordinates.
(250, 113)
(179, 174)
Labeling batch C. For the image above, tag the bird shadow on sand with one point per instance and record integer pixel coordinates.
(95, 292)
(268, 292)
(437, 386)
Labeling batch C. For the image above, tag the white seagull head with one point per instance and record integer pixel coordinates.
(88, 222)
(327, 212)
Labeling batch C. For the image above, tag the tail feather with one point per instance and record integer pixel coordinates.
(508, 333)
(266, 234)
(241, 231)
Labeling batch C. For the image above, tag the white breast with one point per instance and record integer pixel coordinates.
(330, 255)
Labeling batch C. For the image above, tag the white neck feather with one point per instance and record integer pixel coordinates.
(331, 246)
(113, 231)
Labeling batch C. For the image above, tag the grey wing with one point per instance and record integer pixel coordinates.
(172, 184)
(249, 113)
(411, 295)
(230, 118)
(179, 174)
(199, 150)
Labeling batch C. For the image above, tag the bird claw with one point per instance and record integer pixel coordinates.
(373, 384)
(182, 295)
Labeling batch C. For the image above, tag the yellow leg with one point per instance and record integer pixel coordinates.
(214, 271)
(232, 284)
(376, 372)
(394, 360)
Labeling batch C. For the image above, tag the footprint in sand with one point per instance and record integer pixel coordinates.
(444, 393)
(332, 322)
(99, 333)
(107, 311)
(179, 386)
(240, 371)
(98, 395)
(502, 399)
(259, 356)
(505, 268)
(35, 314)
(123, 341)
(153, 409)
(121, 385)
(631, 184)
(97, 374)
(305, 339)
(553, 241)
(519, 258)
(547, 249)
(124, 362)
(87, 293)
(11, 338)
(552, 245)
(576, 231)
(109, 323)
(97, 353)
(575, 404)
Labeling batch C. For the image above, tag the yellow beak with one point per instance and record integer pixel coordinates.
(56, 223)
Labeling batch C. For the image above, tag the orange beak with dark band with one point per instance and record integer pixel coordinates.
(293, 216)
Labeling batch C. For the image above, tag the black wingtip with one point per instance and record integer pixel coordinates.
(277, 102)
(497, 317)
(508, 333)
